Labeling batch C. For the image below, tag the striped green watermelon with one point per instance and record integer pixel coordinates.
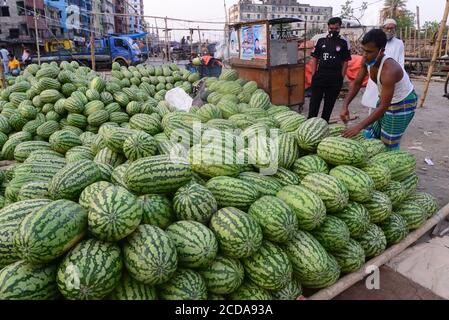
(395, 228)
(114, 213)
(356, 217)
(277, 220)
(238, 234)
(91, 191)
(291, 291)
(288, 150)
(336, 129)
(24, 281)
(292, 123)
(308, 207)
(130, 289)
(395, 191)
(339, 150)
(150, 255)
(269, 267)
(232, 192)
(333, 192)
(157, 210)
(309, 164)
(373, 241)
(380, 173)
(379, 207)
(35, 238)
(351, 257)
(410, 184)
(33, 190)
(114, 137)
(63, 140)
(157, 174)
(70, 181)
(223, 276)
(110, 157)
(260, 99)
(265, 185)
(413, 213)
(10, 218)
(79, 153)
(90, 271)
(333, 234)
(426, 201)
(401, 163)
(196, 244)
(373, 147)
(213, 160)
(250, 291)
(194, 202)
(139, 145)
(145, 123)
(312, 265)
(286, 177)
(184, 285)
(23, 150)
(359, 184)
(311, 132)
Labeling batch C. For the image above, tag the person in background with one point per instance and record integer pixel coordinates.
(135, 47)
(398, 99)
(4, 55)
(26, 57)
(395, 50)
(329, 64)
(13, 65)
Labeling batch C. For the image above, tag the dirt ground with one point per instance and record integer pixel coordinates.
(426, 137)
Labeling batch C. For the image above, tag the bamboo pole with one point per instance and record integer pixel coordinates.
(447, 44)
(435, 54)
(410, 44)
(351, 279)
(425, 42)
(419, 31)
(191, 43)
(200, 42)
(167, 44)
(414, 42)
(92, 41)
(37, 34)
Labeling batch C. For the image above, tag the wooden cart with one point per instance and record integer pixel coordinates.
(279, 68)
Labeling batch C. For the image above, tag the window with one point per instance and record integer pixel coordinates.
(119, 43)
(20, 8)
(248, 16)
(5, 12)
(293, 9)
(14, 33)
(258, 16)
(23, 29)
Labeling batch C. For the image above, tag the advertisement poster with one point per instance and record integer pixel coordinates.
(260, 41)
(234, 44)
(247, 43)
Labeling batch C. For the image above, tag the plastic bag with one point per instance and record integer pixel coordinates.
(179, 99)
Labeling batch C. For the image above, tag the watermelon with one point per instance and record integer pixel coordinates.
(333, 234)
(290, 292)
(157, 210)
(250, 291)
(268, 268)
(380, 173)
(90, 271)
(49, 232)
(260, 100)
(233, 192)
(356, 217)
(130, 289)
(157, 174)
(312, 265)
(23, 150)
(409, 184)
(309, 164)
(339, 150)
(413, 213)
(288, 150)
(184, 285)
(308, 207)
(359, 184)
(373, 241)
(63, 140)
(395, 228)
(277, 220)
(426, 201)
(238, 234)
(196, 245)
(311, 132)
(401, 163)
(150, 255)
(379, 207)
(265, 185)
(351, 257)
(114, 213)
(286, 177)
(333, 192)
(373, 147)
(194, 202)
(33, 190)
(90, 191)
(24, 281)
(213, 160)
(223, 276)
(395, 191)
(139, 145)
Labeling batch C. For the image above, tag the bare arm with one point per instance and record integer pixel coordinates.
(353, 90)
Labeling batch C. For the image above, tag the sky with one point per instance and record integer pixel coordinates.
(213, 10)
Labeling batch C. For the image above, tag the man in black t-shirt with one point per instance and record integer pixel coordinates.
(329, 64)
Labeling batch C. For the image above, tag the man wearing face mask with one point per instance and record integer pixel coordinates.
(396, 95)
(329, 64)
(395, 50)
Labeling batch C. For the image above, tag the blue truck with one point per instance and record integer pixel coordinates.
(108, 49)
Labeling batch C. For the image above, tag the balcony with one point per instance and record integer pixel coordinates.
(39, 4)
(41, 23)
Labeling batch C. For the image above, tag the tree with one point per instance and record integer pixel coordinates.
(405, 19)
(393, 9)
(348, 12)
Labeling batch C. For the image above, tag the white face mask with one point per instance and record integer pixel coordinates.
(390, 35)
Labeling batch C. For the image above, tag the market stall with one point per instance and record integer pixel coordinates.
(266, 51)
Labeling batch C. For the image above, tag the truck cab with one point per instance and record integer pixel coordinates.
(119, 48)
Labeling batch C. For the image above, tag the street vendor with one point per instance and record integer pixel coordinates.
(396, 95)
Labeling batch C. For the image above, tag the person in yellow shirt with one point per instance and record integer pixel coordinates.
(13, 65)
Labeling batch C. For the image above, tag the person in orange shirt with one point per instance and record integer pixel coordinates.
(13, 65)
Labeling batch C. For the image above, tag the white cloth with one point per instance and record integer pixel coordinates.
(136, 48)
(395, 50)
(4, 54)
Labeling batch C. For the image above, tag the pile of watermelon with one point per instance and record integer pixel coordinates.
(114, 194)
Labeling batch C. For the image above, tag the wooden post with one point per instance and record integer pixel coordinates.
(191, 43)
(199, 37)
(414, 42)
(419, 31)
(425, 42)
(92, 40)
(410, 44)
(435, 54)
(167, 44)
(157, 33)
(447, 44)
(38, 50)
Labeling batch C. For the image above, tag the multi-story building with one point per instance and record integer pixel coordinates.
(53, 17)
(135, 7)
(17, 24)
(108, 19)
(316, 17)
(120, 22)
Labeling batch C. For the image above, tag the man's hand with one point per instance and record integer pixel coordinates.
(344, 114)
(352, 131)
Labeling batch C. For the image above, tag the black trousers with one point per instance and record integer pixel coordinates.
(327, 90)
